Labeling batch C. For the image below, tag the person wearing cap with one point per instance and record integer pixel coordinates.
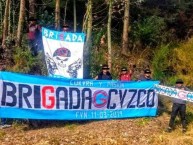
(179, 106)
(65, 28)
(33, 33)
(104, 74)
(125, 75)
(146, 76)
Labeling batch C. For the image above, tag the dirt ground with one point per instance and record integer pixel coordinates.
(138, 131)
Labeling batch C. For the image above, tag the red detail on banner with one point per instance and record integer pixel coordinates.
(51, 98)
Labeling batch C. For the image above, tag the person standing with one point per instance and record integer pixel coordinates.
(33, 35)
(146, 76)
(65, 28)
(125, 75)
(179, 106)
(104, 74)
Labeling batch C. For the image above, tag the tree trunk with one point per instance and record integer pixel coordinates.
(65, 8)
(57, 15)
(125, 39)
(21, 22)
(13, 17)
(32, 12)
(88, 43)
(9, 19)
(109, 34)
(74, 8)
(89, 24)
(1, 17)
(5, 23)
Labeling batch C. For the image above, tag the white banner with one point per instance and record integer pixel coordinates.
(174, 93)
(63, 53)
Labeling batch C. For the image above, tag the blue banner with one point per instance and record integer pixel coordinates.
(63, 36)
(38, 97)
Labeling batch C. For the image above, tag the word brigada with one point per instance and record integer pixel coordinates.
(58, 97)
(174, 93)
(63, 36)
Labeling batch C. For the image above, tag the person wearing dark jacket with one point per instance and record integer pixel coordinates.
(179, 106)
(65, 28)
(146, 76)
(104, 74)
(33, 35)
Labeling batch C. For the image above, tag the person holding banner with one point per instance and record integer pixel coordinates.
(65, 28)
(104, 74)
(125, 75)
(146, 76)
(179, 106)
(33, 35)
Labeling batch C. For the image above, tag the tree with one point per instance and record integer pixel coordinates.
(74, 11)
(57, 15)
(1, 15)
(88, 24)
(5, 23)
(21, 22)
(14, 16)
(9, 18)
(65, 8)
(125, 39)
(109, 34)
(32, 8)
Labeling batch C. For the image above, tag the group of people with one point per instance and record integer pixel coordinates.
(178, 107)
(124, 75)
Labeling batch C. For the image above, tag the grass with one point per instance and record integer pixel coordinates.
(143, 121)
(2, 134)
(71, 126)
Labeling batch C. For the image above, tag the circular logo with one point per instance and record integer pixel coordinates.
(100, 98)
(182, 95)
(63, 52)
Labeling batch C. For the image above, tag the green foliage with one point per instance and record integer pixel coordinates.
(189, 113)
(160, 63)
(23, 61)
(171, 63)
(97, 59)
(149, 31)
(46, 19)
(71, 126)
(143, 121)
(97, 35)
(182, 61)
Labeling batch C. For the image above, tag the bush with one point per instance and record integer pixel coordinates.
(24, 62)
(161, 63)
(150, 31)
(182, 62)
